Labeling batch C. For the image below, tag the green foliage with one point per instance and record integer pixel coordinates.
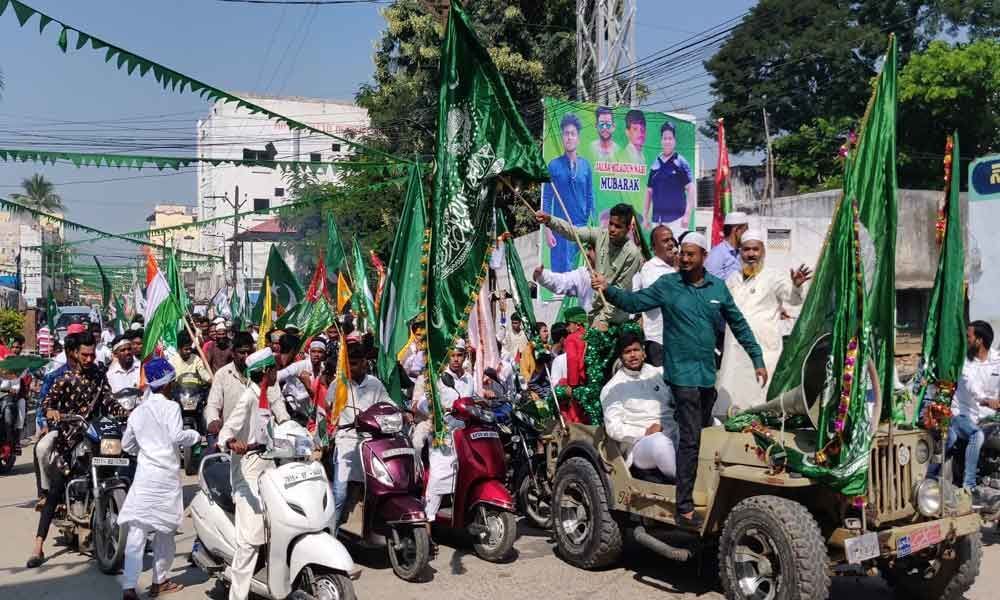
(11, 323)
(39, 193)
(943, 89)
(810, 156)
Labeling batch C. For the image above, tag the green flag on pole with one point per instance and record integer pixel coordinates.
(852, 298)
(285, 288)
(480, 137)
(121, 321)
(402, 296)
(176, 284)
(335, 255)
(105, 288)
(942, 353)
(515, 272)
(367, 304)
(51, 310)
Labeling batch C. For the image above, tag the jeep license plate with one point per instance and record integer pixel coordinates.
(918, 540)
(106, 461)
(862, 548)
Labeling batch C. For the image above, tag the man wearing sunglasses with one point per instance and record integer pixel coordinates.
(604, 147)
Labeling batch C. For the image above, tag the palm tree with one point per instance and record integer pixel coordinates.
(39, 193)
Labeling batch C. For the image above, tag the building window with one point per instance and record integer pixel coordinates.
(315, 157)
(335, 147)
(779, 239)
(261, 203)
(260, 155)
(279, 192)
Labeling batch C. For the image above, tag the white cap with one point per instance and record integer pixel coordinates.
(693, 237)
(220, 327)
(460, 345)
(752, 235)
(317, 344)
(121, 343)
(223, 320)
(736, 218)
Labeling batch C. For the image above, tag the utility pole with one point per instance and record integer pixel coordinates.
(605, 52)
(237, 204)
(769, 174)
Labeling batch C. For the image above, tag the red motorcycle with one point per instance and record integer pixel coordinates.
(481, 505)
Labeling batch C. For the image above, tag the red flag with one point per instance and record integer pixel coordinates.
(380, 269)
(317, 287)
(723, 196)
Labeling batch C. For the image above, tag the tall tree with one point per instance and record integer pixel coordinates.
(39, 193)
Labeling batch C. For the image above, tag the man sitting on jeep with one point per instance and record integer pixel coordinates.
(638, 410)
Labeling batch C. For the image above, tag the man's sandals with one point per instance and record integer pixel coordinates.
(162, 589)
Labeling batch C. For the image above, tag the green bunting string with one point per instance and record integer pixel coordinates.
(166, 77)
(17, 207)
(135, 161)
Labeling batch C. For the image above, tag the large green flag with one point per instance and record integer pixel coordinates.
(402, 296)
(515, 272)
(285, 288)
(480, 137)
(176, 284)
(51, 311)
(943, 350)
(852, 298)
(121, 321)
(105, 288)
(366, 306)
(334, 246)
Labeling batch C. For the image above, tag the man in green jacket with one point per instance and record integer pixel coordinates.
(694, 304)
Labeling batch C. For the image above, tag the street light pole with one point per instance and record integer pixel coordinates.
(237, 204)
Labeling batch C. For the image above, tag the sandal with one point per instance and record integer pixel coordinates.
(40, 505)
(162, 589)
(36, 561)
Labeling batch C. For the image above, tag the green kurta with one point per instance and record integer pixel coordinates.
(617, 263)
(691, 316)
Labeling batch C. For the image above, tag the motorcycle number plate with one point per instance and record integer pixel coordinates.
(483, 435)
(862, 548)
(300, 476)
(190, 404)
(398, 452)
(107, 461)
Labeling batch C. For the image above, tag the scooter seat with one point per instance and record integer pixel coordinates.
(220, 488)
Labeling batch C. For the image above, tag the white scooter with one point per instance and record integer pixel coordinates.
(300, 559)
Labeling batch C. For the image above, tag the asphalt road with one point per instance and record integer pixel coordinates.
(457, 573)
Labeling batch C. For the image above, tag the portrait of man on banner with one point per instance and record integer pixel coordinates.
(573, 180)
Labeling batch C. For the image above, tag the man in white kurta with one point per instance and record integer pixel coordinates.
(759, 292)
(155, 503)
(575, 283)
(443, 461)
(245, 435)
(663, 263)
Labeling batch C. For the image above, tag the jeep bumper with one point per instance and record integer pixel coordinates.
(902, 541)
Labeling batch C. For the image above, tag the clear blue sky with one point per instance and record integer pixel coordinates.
(323, 51)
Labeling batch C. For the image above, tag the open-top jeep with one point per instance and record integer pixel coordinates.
(778, 535)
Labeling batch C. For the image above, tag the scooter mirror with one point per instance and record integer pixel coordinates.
(448, 380)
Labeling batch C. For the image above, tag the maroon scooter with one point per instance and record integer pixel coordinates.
(480, 505)
(391, 511)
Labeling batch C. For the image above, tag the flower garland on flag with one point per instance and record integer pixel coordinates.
(941, 225)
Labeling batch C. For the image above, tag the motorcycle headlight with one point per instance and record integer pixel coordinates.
(927, 497)
(922, 452)
(111, 447)
(390, 423)
(380, 472)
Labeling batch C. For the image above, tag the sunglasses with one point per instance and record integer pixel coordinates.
(605, 125)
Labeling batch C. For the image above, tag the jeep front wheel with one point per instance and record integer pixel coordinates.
(587, 534)
(771, 549)
(949, 581)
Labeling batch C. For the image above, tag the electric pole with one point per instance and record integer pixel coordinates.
(237, 204)
(769, 173)
(605, 52)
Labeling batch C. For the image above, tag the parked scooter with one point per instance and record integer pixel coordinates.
(391, 512)
(302, 560)
(521, 435)
(192, 395)
(480, 504)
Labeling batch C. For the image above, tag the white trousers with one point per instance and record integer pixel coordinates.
(250, 532)
(656, 452)
(440, 479)
(43, 450)
(135, 548)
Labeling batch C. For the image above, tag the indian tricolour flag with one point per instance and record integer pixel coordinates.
(162, 313)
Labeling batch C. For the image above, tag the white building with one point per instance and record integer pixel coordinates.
(232, 133)
(21, 235)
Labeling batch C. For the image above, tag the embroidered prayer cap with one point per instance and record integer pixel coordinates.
(159, 373)
(736, 218)
(121, 342)
(575, 314)
(693, 237)
(317, 344)
(752, 235)
(260, 360)
(460, 345)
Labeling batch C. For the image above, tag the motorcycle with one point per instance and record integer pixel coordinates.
(480, 503)
(98, 481)
(521, 435)
(192, 396)
(302, 560)
(8, 424)
(987, 470)
(391, 512)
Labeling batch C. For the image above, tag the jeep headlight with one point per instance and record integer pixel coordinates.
(927, 497)
(922, 453)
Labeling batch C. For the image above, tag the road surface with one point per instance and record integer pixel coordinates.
(458, 574)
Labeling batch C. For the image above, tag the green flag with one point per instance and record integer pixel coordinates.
(942, 353)
(285, 288)
(334, 246)
(121, 321)
(51, 310)
(319, 316)
(176, 284)
(367, 304)
(852, 298)
(480, 136)
(105, 288)
(515, 272)
(402, 296)
(235, 309)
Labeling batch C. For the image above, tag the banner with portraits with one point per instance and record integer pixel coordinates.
(601, 156)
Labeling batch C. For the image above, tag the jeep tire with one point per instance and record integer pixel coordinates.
(587, 534)
(771, 548)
